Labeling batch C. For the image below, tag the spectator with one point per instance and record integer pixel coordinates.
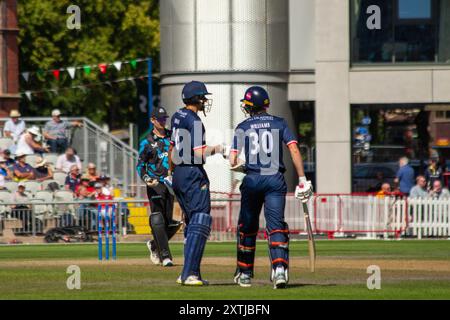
(22, 210)
(42, 170)
(433, 172)
(14, 127)
(22, 170)
(420, 189)
(5, 172)
(55, 132)
(405, 176)
(85, 191)
(385, 190)
(73, 180)
(99, 195)
(2, 182)
(438, 192)
(29, 142)
(91, 172)
(9, 161)
(67, 160)
(107, 189)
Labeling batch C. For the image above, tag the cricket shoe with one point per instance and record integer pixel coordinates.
(244, 280)
(280, 278)
(167, 262)
(194, 281)
(153, 253)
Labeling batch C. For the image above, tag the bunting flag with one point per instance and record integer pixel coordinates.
(133, 63)
(71, 72)
(102, 67)
(56, 73)
(87, 70)
(28, 94)
(26, 76)
(118, 65)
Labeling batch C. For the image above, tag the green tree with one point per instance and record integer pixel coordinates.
(111, 30)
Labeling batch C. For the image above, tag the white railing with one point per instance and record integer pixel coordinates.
(429, 217)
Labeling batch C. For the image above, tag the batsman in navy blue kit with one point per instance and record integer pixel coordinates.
(261, 137)
(190, 181)
(153, 168)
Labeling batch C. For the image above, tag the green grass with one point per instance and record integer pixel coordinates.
(39, 272)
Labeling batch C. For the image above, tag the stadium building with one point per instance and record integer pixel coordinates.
(363, 81)
(9, 65)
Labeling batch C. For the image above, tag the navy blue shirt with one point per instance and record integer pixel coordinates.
(188, 135)
(405, 176)
(261, 138)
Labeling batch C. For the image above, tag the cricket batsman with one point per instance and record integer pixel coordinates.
(260, 137)
(153, 168)
(190, 181)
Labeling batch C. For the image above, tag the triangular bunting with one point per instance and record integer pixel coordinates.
(56, 74)
(26, 76)
(118, 65)
(102, 67)
(28, 94)
(133, 63)
(71, 72)
(87, 70)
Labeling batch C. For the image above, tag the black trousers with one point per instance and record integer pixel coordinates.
(161, 200)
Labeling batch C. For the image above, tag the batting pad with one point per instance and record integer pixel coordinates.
(198, 232)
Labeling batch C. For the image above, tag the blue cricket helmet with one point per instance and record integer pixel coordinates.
(193, 89)
(255, 98)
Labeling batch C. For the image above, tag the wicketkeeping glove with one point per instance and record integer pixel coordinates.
(304, 190)
(151, 182)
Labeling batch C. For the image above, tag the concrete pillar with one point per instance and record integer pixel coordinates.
(333, 130)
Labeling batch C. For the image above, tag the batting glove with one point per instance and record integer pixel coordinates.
(151, 182)
(168, 183)
(304, 190)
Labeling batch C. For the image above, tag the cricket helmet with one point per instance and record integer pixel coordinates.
(255, 99)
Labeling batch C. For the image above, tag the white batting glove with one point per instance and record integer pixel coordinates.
(304, 190)
(168, 183)
(151, 182)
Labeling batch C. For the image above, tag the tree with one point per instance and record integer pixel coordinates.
(111, 30)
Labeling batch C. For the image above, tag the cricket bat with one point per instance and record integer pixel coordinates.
(311, 243)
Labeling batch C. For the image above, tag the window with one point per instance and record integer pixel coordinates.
(401, 31)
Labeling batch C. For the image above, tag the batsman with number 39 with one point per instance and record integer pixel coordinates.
(260, 138)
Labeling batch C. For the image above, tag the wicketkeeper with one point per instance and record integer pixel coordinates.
(261, 137)
(153, 168)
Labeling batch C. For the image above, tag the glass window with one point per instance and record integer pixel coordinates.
(400, 31)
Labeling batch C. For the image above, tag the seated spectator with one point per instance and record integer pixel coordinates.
(29, 142)
(5, 172)
(438, 192)
(85, 191)
(99, 195)
(55, 132)
(2, 182)
(385, 190)
(433, 172)
(22, 210)
(22, 170)
(42, 171)
(14, 127)
(419, 191)
(73, 180)
(9, 161)
(67, 160)
(107, 189)
(91, 172)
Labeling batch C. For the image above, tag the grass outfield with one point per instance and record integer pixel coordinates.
(409, 270)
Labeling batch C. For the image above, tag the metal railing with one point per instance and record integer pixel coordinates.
(333, 215)
(93, 144)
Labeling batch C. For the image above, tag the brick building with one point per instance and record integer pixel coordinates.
(9, 57)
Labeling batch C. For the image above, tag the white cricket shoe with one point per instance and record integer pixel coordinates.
(153, 254)
(244, 280)
(179, 280)
(280, 278)
(194, 281)
(167, 263)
